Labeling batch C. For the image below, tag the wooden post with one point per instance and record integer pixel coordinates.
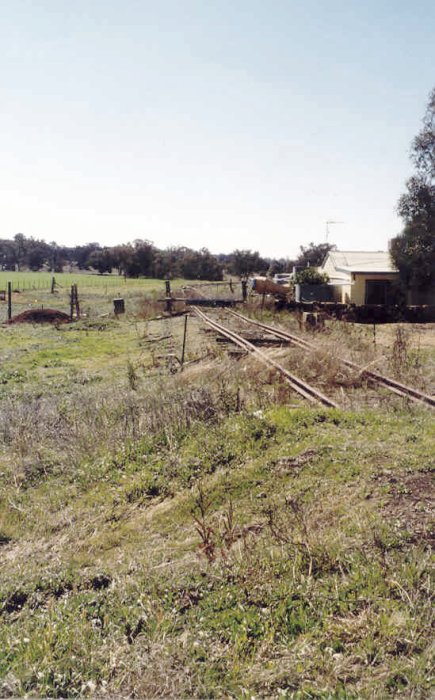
(168, 296)
(184, 342)
(244, 289)
(53, 285)
(76, 301)
(9, 301)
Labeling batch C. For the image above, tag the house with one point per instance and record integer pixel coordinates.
(361, 277)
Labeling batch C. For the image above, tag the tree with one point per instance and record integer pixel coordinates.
(80, 254)
(7, 255)
(56, 257)
(311, 276)
(314, 254)
(37, 253)
(200, 265)
(280, 265)
(413, 250)
(101, 260)
(143, 257)
(245, 262)
(20, 249)
(123, 256)
(423, 147)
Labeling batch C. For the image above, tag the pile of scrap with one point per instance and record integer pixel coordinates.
(264, 285)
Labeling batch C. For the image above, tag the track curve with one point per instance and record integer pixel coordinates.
(380, 379)
(306, 390)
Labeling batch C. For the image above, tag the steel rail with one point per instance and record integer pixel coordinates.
(391, 384)
(301, 387)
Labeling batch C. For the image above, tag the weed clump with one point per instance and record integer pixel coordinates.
(405, 359)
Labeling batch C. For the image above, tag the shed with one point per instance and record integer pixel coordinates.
(360, 277)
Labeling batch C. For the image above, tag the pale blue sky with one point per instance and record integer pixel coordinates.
(221, 124)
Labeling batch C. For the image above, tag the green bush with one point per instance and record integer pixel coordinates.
(311, 276)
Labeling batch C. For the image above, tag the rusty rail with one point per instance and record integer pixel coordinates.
(391, 384)
(301, 387)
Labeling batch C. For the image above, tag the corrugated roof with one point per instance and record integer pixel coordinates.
(361, 261)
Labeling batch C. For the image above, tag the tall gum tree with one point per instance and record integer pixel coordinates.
(413, 250)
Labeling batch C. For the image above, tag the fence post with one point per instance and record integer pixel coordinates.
(168, 296)
(244, 289)
(184, 342)
(76, 301)
(9, 301)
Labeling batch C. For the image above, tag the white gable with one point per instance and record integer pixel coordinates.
(357, 261)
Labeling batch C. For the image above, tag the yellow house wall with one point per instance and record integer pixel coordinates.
(358, 289)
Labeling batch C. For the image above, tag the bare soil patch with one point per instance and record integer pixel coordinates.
(412, 503)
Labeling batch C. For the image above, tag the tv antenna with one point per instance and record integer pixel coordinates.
(328, 224)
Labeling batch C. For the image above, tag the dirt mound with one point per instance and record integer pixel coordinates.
(41, 316)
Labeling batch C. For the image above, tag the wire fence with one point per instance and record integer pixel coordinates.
(96, 294)
(213, 290)
(22, 282)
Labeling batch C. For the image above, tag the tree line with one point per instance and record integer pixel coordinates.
(142, 258)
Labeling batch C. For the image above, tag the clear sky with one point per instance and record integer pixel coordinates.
(233, 123)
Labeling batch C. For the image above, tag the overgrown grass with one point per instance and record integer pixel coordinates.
(305, 585)
(203, 533)
(403, 351)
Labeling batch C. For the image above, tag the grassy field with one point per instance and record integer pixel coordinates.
(22, 281)
(204, 533)
(96, 292)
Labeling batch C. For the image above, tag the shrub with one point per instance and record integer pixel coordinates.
(311, 276)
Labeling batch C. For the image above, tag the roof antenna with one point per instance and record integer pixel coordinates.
(328, 224)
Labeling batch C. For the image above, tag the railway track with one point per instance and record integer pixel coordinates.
(375, 377)
(306, 390)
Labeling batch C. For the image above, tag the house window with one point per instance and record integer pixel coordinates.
(377, 291)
